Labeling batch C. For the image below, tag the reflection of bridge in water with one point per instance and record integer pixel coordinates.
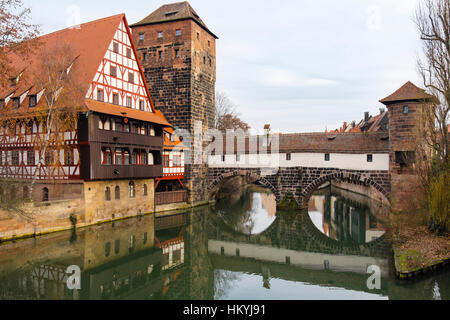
(186, 270)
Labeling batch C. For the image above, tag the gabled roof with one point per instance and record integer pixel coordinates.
(88, 42)
(173, 12)
(407, 92)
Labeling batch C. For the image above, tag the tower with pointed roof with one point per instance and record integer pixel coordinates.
(406, 107)
(178, 53)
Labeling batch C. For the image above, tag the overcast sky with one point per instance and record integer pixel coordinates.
(299, 65)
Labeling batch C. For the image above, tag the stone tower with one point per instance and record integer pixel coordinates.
(405, 109)
(178, 54)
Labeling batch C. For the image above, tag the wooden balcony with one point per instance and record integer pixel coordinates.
(170, 197)
(111, 172)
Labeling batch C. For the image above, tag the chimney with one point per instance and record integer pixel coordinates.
(366, 116)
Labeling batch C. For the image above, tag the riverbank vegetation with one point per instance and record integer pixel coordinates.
(421, 235)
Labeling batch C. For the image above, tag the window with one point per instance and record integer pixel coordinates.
(129, 102)
(159, 55)
(144, 56)
(210, 62)
(68, 157)
(209, 44)
(238, 157)
(48, 158)
(288, 156)
(118, 126)
(131, 189)
(108, 194)
(126, 127)
(15, 158)
(145, 238)
(30, 158)
(177, 160)
(327, 157)
(128, 53)
(160, 34)
(177, 53)
(115, 98)
(178, 32)
(151, 131)
(141, 36)
(116, 47)
(204, 60)
(32, 101)
(126, 157)
(2, 103)
(141, 105)
(151, 160)
(45, 195)
(131, 77)
(117, 193)
(100, 95)
(404, 158)
(145, 190)
(106, 156)
(113, 71)
(223, 158)
(198, 36)
(369, 158)
(405, 110)
(15, 102)
(166, 161)
(118, 158)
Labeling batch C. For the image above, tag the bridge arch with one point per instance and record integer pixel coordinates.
(251, 176)
(358, 179)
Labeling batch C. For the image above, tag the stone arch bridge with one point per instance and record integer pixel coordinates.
(300, 182)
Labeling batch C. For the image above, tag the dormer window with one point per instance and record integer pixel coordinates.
(172, 13)
(405, 110)
(33, 101)
(15, 102)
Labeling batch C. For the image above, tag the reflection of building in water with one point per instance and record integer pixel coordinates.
(269, 204)
(344, 219)
(173, 252)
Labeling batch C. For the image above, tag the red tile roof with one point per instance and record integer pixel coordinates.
(88, 43)
(407, 92)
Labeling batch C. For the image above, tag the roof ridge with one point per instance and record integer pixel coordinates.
(80, 25)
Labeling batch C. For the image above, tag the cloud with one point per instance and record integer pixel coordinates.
(278, 77)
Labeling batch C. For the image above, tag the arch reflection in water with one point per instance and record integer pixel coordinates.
(249, 211)
(346, 216)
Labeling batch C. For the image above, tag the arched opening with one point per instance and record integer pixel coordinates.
(350, 212)
(108, 194)
(131, 189)
(117, 193)
(245, 206)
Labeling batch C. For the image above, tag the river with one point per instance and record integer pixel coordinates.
(241, 248)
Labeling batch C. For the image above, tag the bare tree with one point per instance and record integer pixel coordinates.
(16, 34)
(433, 22)
(55, 116)
(227, 116)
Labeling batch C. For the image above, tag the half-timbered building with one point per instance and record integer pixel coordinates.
(116, 147)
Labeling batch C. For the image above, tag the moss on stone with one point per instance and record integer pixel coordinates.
(288, 203)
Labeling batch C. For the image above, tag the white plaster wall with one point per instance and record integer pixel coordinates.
(337, 160)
